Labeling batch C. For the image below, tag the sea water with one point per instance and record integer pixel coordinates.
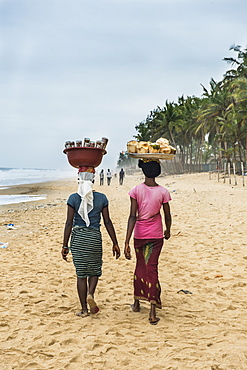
(20, 176)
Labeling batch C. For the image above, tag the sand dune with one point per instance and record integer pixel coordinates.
(206, 255)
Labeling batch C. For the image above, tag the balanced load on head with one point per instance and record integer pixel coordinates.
(88, 154)
(87, 143)
(161, 149)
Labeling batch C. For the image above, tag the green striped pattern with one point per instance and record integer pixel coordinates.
(86, 249)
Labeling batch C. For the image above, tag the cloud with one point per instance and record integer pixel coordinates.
(75, 69)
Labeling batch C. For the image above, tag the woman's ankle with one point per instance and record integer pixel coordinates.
(153, 310)
(84, 308)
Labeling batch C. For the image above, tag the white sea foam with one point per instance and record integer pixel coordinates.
(19, 198)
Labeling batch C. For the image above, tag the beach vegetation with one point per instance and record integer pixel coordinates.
(208, 129)
(124, 160)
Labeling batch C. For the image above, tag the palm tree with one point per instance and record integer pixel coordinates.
(168, 121)
(239, 86)
(213, 114)
(240, 61)
(143, 132)
(237, 81)
(186, 138)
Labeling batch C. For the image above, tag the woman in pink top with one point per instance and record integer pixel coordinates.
(145, 219)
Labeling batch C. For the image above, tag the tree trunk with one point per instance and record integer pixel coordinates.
(246, 152)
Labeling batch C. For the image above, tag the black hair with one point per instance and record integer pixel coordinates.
(150, 169)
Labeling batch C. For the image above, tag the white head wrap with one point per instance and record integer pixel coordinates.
(85, 191)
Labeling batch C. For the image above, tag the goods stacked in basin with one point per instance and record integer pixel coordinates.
(85, 153)
(161, 149)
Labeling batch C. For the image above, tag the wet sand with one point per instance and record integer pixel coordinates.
(206, 255)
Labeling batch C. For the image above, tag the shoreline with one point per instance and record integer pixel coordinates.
(47, 187)
(40, 188)
(206, 255)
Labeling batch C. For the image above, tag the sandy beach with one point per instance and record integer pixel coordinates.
(206, 255)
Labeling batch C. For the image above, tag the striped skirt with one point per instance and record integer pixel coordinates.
(86, 249)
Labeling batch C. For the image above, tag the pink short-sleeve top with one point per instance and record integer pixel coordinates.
(149, 201)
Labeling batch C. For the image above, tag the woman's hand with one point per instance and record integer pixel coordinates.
(127, 252)
(64, 252)
(116, 251)
(167, 234)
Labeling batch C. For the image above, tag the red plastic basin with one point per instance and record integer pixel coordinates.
(78, 157)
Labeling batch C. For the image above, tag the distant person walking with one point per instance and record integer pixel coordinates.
(121, 176)
(108, 176)
(101, 177)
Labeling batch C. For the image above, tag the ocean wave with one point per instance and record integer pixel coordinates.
(20, 176)
(19, 198)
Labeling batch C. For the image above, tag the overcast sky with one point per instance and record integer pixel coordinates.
(86, 68)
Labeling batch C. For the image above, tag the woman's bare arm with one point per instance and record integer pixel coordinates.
(111, 231)
(130, 226)
(168, 220)
(67, 231)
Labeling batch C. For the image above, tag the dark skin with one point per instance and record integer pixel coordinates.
(88, 285)
(130, 227)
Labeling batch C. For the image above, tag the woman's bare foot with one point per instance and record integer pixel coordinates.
(92, 304)
(136, 306)
(154, 320)
(82, 313)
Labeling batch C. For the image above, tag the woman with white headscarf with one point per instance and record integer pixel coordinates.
(83, 225)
